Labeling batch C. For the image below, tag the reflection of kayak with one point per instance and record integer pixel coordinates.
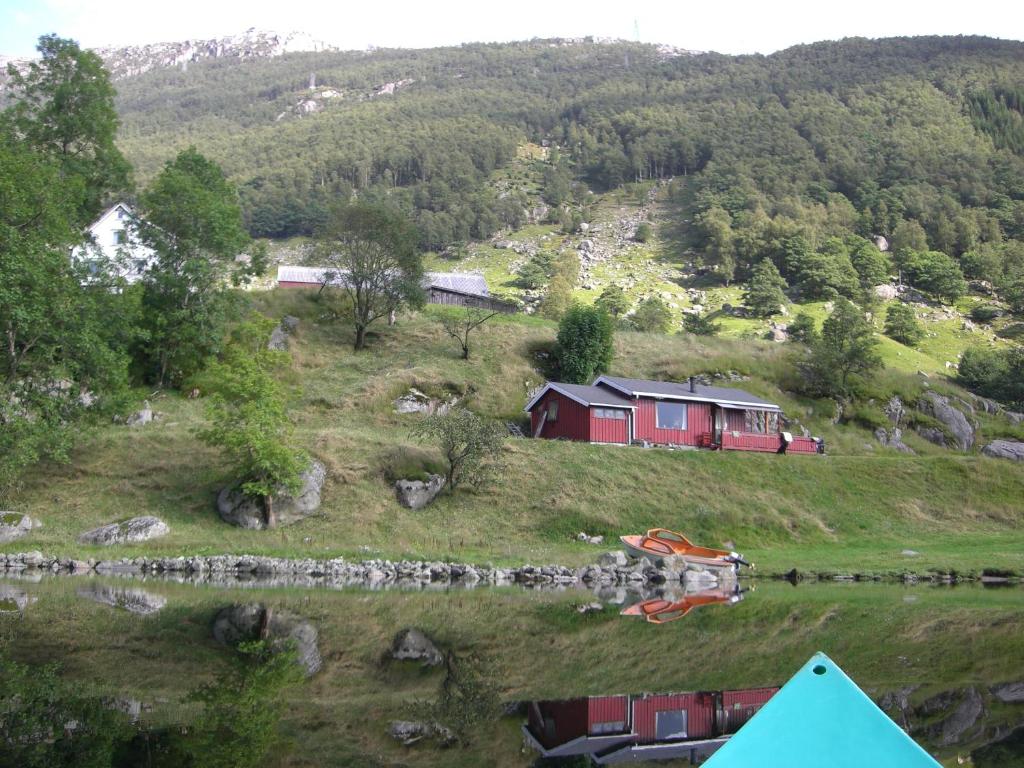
(820, 718)
(660, 610)
(661, 542)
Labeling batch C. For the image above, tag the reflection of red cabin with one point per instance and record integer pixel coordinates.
(623, 728)
(617, 410)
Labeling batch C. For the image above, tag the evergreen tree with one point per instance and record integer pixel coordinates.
(764, 295)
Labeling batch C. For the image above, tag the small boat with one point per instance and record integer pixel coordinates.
(821, 718)
(661, 610)
(659, 543)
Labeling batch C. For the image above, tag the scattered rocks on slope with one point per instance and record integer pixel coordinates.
(939, 407)
(136, 601)
(416, 494)
(1005, 449)
(247, 512)
(14, 525)
(282, 332)
(412, 644)
(129, 532)
(254, 621)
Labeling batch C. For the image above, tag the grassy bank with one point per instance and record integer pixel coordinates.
(855, 509)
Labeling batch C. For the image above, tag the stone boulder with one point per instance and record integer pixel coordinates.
(408, 732)
(282, 332)
(892, 438)
(142, 417)
(416, 494)
(615, 558)
(412, 644)
(136, 601)
(1009, 693)
(885, 291)
(129, 532)
(247, 512)
(14, 525)
(253, 621)
(415, 401)
(952, 729)
(894, 410)
(1005, 449)
(939, 407)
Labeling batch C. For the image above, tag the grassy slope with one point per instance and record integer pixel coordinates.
(855, 509)
(533, 645)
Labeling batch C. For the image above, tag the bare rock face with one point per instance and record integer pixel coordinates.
(940, 408)
(14, 525)
(1009, 693)
(413, 645)
(1005, 449)
(136, 601)
(247, 512)
(892, 438)
(253, 621)
(129, 532)
(952, 729)
(416, 494)
(885, 291)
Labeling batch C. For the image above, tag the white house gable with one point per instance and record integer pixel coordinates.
(112, 243)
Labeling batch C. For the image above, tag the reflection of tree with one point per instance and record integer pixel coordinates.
(48, 723)
(466, 698)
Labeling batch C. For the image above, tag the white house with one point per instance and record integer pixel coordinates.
(111, 242)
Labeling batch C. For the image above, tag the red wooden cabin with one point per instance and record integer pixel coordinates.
(613, 729)
(622, 411)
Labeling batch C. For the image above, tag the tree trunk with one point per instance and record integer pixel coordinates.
(360, 337)
(263, 632)
(465, 350)
(391, 317)
(269, 518)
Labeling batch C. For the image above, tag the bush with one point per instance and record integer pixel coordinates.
(985, 313)
(652, 316)
(644, 232)
(585, 344)
(700, 325)
(902, 326)
(803, 329)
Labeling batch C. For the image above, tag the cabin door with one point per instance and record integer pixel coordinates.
(719, 424)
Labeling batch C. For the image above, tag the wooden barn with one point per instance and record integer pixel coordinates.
(616, 729)
(462, 289)
(623, 411)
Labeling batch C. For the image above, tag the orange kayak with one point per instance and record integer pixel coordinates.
(660, 610)
(661, 542)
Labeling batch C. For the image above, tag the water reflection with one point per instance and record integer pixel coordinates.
(670, 607)
(631, 728)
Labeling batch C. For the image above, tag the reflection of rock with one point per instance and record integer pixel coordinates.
(252, 621)
(14, 525)
(129, 532)
(413, 645)
(14, 599)
(247, 512)
(132, 600)
(416, 494)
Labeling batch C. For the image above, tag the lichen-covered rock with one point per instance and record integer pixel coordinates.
(248, 512)
(1005, 449)
(14, 525)
(416, 494)
(413, 645)
(254, 621)
(132, 600)
(939, 407)
(129, 532)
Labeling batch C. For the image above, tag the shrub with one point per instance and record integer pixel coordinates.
(985, 313)
(803, 329)
(644, 232)
(585, 338)
(700, 325)
(652, 316)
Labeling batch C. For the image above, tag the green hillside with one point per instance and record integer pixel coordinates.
(856, 509)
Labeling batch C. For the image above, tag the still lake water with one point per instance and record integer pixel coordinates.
(132, 671)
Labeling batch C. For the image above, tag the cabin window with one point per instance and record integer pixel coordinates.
(671, 415)
(120, 237)
(669, 536)
(761, 422)
(553, 410)
(670, 725)
(610, 413)
(614, 726)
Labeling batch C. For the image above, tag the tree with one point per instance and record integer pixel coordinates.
(998, 374)
(373, 259)
(803, 329)
(935, 273)
(247, 417)
(558, 298)
(469, 443)
(1014, 295)
(467, 698)
(716, 225)
(192, 221)
(901, 324)
(909, 235)
(614, 301)
(64, 108)
(764, 295)
(844, 353)
(652, 315)
(871, 264)
(461, 322)
(700, 325)
(585, 343)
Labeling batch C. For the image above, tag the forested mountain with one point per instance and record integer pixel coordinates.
(850, 136)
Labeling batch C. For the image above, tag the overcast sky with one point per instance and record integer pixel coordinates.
(706, 25)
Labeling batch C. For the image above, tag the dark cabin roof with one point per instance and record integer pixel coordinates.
(584, 394)
(677, 390)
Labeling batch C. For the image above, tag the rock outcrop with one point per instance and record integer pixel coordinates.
(129, 532)
(892, 438)
(247, 512)
(413, 645)
(415, 401)
(136, 601)
(279, 337)
(960, 431)
(254, 621)
(416, 494)
(1005, 449)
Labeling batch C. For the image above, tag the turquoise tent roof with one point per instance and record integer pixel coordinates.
(821, 718)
